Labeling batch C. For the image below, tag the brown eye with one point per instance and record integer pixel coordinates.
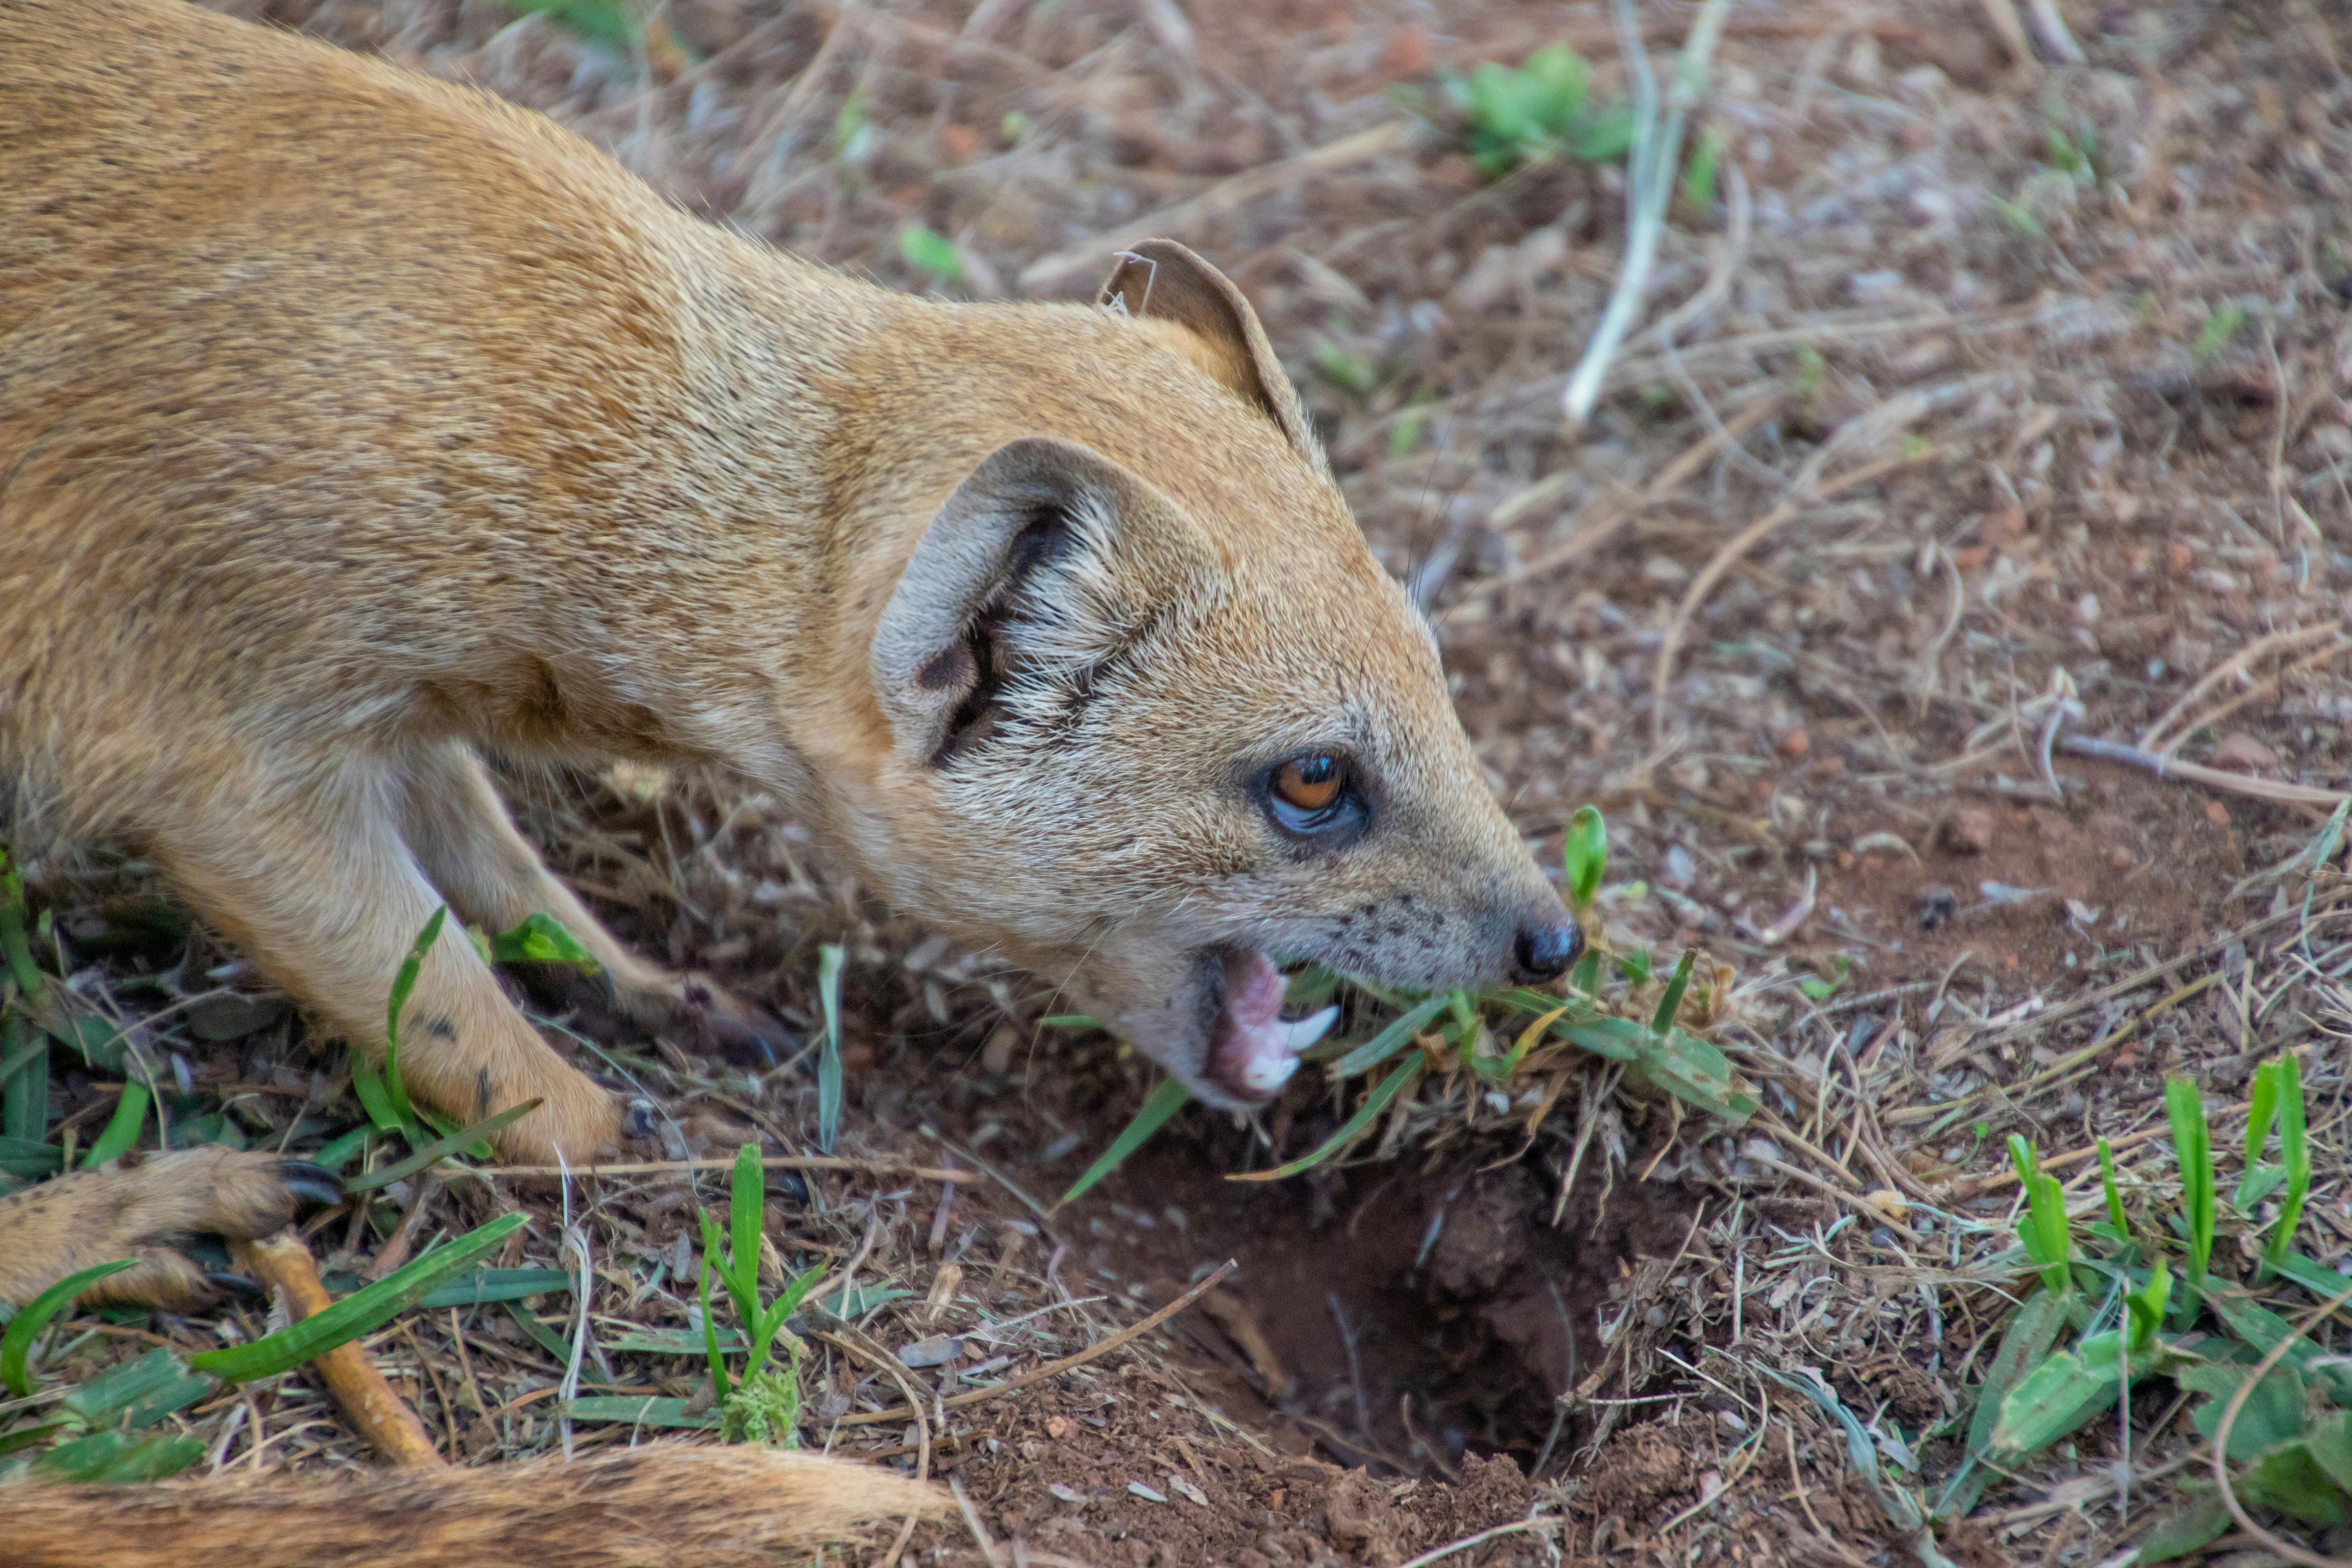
(1308, 784)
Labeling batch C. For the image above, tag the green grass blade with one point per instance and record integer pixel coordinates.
(719, 1384)
(1671, 1003)
(499, 1285)
(122, 1128)
(361, 1312)
(633, 1411)
(675, 1342)
(2046, 1236)
(1619, 1039)
(2187, 1530)
(1585, 857)
(2193, 1150)
(2313, 1276)
(24, 1157)
(2058, 1397)
(141, 1393)
(14, 945)
(111, 1458)
(1163, 1102)
(547, 1338)
(367, 1088)
(2053, 1236)
(2032, 1329)
(2294, 1148)
(1394, 1037)
(1396, 1083)
(441, 1148)
(2021, 1159)
(2145, 1306)
(1691, 1070)
(17, 1344)
(25, 1088)
(2114, 1198)
(798, 1291)
(18, 1052)
(403, 984)
(746, 1214)
(541, 939)
(2262, 1108)
(763, 1339)
(828, 1061)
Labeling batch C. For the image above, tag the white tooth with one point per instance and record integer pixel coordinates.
(1298, 1036)
(1266, 1074)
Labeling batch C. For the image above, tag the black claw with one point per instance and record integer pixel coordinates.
(230, 1282)
(311, 1183)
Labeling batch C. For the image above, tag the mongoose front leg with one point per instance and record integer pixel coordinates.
(305, 867)
(458, 829)
(139, 1212)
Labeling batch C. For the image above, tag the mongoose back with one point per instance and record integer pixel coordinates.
(354, 425)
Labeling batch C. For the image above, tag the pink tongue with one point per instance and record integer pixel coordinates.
(1253, 1056)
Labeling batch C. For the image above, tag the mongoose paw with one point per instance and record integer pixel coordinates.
(715, 1022)
(142, 1212)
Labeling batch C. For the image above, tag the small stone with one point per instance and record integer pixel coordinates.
(1795, 744)
(2242, 753)
(1057, 1428)
(996, 1057)
(1968, 831)
(233, 1017)
(2217, 814)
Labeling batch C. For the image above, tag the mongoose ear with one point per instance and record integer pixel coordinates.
(1011, 602)
(1161, 280)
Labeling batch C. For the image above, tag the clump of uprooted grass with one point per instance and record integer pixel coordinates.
(1615, 1004)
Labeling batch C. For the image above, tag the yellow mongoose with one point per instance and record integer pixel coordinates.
(353, 424)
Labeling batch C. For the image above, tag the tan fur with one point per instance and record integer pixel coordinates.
(662, 1503)
(63, 1226)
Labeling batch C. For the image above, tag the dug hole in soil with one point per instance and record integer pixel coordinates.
(1399, 1314)
(1397, 1334)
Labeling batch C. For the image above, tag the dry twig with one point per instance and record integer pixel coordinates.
(285, 1265)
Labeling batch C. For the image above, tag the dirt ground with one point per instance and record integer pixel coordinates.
(1992, 404)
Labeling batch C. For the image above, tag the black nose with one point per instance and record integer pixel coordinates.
(1544, 950)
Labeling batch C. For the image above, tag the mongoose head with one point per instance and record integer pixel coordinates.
(1158, 720)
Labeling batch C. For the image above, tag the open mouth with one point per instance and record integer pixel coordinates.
(1252, 1048)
